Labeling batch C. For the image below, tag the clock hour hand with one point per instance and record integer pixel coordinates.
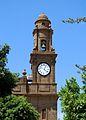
(45, 69)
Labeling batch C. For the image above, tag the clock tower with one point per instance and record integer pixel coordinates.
(40, 87)
(43, 59)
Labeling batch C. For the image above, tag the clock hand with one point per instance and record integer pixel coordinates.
(45, 69)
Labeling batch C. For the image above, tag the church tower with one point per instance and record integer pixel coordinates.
(40, 88)
(43, 59)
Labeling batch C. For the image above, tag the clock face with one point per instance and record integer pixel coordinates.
(43, 69)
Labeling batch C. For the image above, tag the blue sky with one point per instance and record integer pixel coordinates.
(17, 19)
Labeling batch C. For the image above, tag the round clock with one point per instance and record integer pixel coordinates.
(43, 69)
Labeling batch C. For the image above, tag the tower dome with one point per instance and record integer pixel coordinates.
(42, 17)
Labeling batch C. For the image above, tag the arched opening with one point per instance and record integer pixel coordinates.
(43, 23)
(43, 114)
(43, 45)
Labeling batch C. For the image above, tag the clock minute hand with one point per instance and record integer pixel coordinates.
(45, 69)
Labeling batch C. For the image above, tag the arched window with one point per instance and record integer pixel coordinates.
(43, 114)
(43, 45)
(43, 23)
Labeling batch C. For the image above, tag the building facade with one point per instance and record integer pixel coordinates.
(40, 88)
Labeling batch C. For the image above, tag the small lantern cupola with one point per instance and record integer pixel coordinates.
(42, 34)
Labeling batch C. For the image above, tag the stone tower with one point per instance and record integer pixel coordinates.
(42, 91)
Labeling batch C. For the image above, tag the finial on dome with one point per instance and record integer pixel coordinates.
(24, 72)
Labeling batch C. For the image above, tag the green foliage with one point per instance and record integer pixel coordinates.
(68, 95)
(3, 55)
(12, 107)
(7, 79)
(82, 72)
(73, 101)
(17, 108)
(78, 20)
